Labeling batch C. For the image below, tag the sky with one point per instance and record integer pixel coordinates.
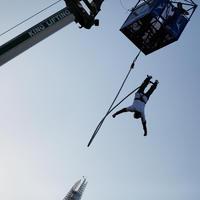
(54, 94)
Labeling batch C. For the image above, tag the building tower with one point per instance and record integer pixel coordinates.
(77, 190)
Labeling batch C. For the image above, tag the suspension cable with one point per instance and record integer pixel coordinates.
(29, 18)
(111, 108)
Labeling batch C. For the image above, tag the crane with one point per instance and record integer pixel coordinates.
(75, 10)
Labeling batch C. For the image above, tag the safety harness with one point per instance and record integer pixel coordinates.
(141, 98)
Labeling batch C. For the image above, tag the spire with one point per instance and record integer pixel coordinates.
(82, 187)
(76, 191)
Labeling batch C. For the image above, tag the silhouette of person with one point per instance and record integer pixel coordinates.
(139, 102)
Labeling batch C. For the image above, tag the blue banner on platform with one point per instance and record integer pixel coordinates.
(176, 27)
(159, 6)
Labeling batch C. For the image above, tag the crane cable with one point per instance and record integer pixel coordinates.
(111, 108)
(44, 9)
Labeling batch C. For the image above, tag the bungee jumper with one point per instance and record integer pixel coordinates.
(140, 100)
(85, 19)
(137, 107)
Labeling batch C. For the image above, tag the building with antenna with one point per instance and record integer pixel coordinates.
(77, 190)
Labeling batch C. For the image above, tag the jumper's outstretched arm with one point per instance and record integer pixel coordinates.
(144, 124)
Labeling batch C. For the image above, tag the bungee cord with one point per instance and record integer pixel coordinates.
(111, 108)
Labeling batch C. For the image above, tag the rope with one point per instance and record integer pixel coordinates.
(101, 122)
(111, 108)
(124, 99)
(29, 18)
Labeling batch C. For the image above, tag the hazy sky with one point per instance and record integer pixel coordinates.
(54, 94)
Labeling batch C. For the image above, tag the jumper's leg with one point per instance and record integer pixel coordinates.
(151, 90)
(144, 84)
